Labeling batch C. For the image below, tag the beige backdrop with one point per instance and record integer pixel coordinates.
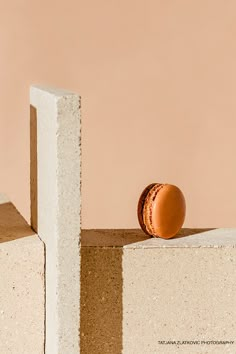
(158, 86)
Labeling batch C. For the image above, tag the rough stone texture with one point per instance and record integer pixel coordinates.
(101, 300)
(55, 178)
(22, 296)
(181, 289)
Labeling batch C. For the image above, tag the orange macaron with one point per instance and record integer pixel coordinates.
(161, 210)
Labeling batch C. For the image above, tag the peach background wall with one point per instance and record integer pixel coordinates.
(158, 86)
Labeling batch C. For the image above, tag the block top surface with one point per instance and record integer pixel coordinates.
(12, 225)
(51, 90)
(135, 238)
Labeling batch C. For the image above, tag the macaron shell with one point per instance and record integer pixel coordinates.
(168, 211)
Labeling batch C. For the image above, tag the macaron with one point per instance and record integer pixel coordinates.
(161, 210)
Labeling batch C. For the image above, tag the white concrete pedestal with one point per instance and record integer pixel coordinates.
(155, 296)
(22, 296)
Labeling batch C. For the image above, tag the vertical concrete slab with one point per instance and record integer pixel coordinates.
(56, 167)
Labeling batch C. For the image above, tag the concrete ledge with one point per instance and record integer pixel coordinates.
(21, 285)
(140, 293)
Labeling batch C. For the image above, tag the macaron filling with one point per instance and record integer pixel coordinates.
(148, 207)
(141, 206)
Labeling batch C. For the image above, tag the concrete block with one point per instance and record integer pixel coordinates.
(22, 296)
(55, 209)
(150, 295)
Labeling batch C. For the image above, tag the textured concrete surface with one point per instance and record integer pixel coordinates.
(101, 300)
(22, 296)
(12, 224)
(175, 296)
(55, 209)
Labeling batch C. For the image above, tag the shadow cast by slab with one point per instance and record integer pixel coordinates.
(33, 169)
(12, 225)
(101, 301)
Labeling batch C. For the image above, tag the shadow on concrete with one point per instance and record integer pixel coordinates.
(101, 290)
(12, 224)
(111, 238)
(33, 169)
(185, 232)
(101, 301)
(122, 237)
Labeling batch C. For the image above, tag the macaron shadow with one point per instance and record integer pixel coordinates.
(185, 232)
